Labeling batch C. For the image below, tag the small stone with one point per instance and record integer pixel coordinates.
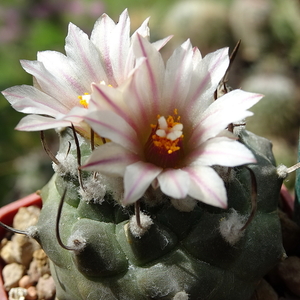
(289, 272)
(39, 265)
(25, 282)
(46, 288)
(23, 248)
(17, 294)
(26, 217)
(6, 253)
(31, 293)
(12, 273)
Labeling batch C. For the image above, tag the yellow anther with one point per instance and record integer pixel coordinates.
(168, 133)
(84, 103)
(84, 100)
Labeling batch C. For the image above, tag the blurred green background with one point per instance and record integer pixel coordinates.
(268, 62)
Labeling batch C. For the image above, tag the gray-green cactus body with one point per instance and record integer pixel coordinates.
(182, 253)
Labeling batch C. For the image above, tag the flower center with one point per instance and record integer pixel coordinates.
(164, 146)
(84, 100)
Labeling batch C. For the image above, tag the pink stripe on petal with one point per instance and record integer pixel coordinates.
(48, 83)
(37, 123)
(110, 97)
(65, 72)
(174, 183)
(110, 158)
(27, 99)
(84, 53)
(110, 125)
(231, 107)
(140, 109)
(207, 186)
(222, 151)
(120, 46)
(101, 36)
(177, 77)
(152, 80)
(137, 179)
(211, 72)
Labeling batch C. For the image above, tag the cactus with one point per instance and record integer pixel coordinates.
(204, 223)
(200, 254)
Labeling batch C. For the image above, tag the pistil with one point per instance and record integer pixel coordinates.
(164, 146)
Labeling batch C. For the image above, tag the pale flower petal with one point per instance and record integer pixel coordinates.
(110, 158)
(176, 139)
(101, 37)
(29, 100)
(62, 82)
(37, 123)
(230, 108)
(161, 43)
(177, 76)
(152, 71)
(206, 76)
(222, 151)
(120, 43)
(206, 186)
(110, 125)
(138, 177)
(82, 51)
(67, 73)
(48, 83)
(174, 183)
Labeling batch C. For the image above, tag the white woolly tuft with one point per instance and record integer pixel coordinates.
(32, 232)
(230, 227)
(282, 171)
(77, 241)
(185, 205)
(136, 230)
(181, 296)
(94, 190)
(68, 164)
(115, 186)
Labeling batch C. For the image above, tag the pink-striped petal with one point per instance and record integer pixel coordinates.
(84, 54)
(46, 81)
(231, 107)
(119, 48)
(67, 73)
(110, 125)
(222, 151)
(206, 186)
(139, 107)
(101, 36)
(137, 179)
(29, 100)
(161, 43)
(111, 159)
(37, 123)
(107, 98)
(149, 77)
(177, 78)
(174, 183)
(206, 76)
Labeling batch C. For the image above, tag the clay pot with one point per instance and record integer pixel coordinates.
(7, 214)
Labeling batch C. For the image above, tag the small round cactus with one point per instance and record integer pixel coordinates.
(202, 252)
